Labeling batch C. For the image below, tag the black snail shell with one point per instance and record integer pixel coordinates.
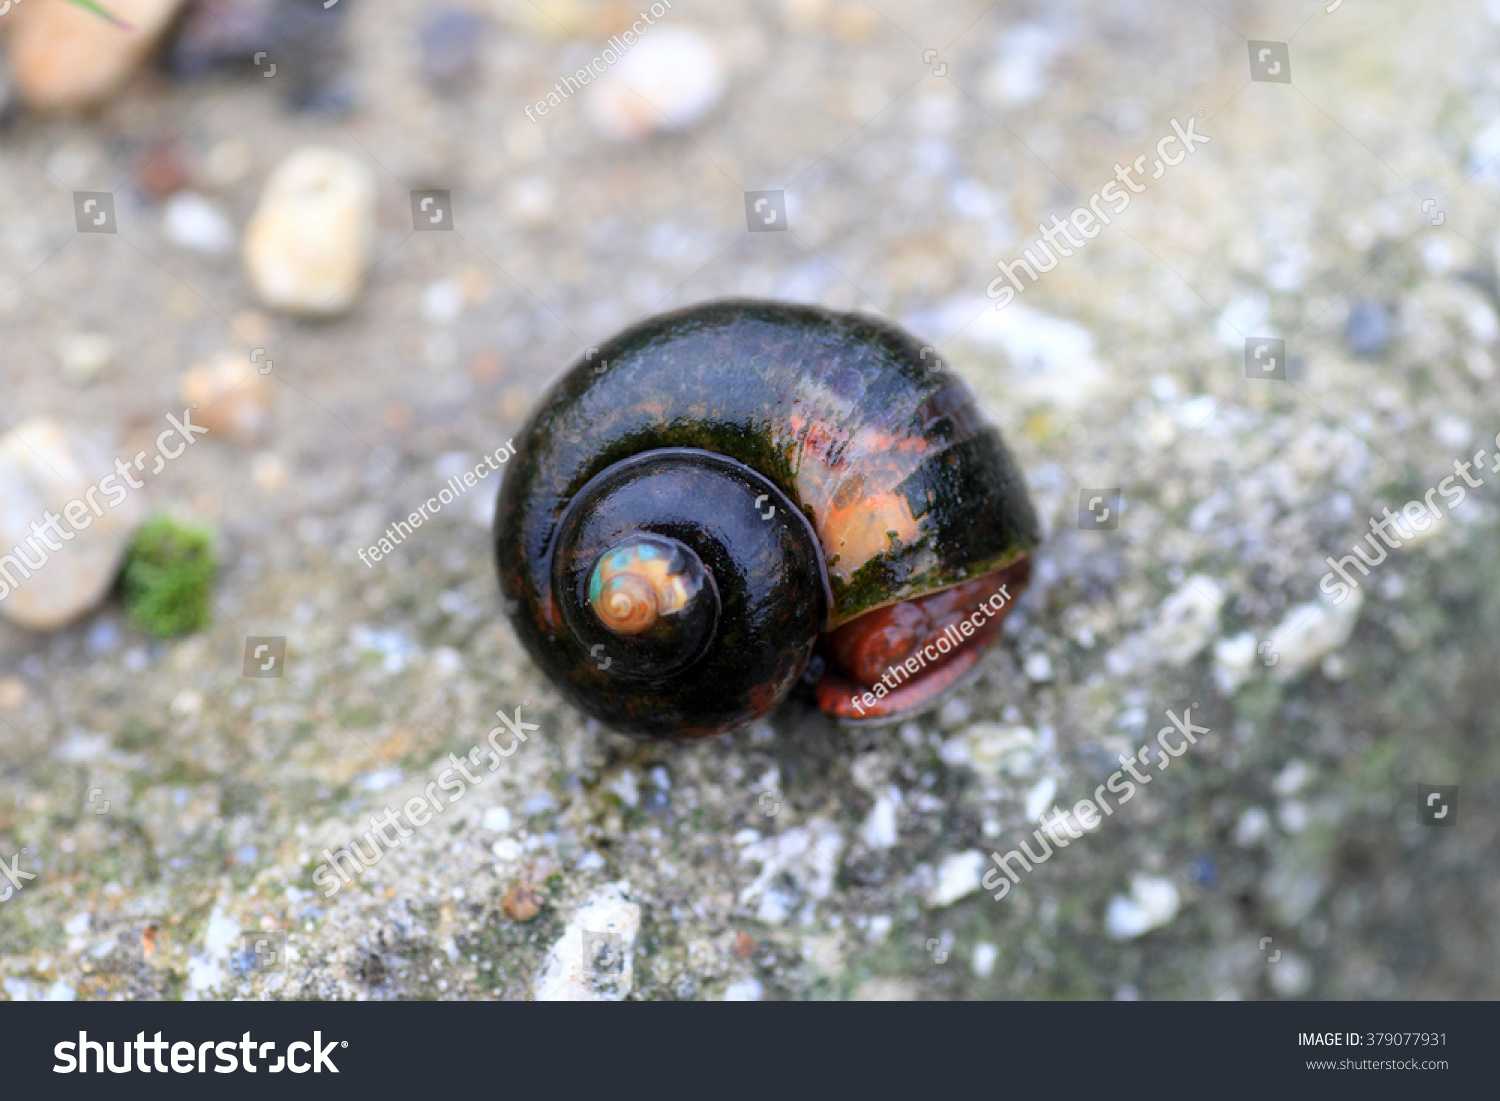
(718, 494)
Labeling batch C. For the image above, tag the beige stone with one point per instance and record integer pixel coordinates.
(13, 693)
(307, 246)
(65, 57)
(43, 468)
(232, 396)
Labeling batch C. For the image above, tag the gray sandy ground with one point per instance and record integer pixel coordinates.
(173, 811)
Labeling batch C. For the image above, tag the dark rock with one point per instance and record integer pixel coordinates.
(296, 45)
(314, 55)
(9, 102)
(1203, 872)
(450, 49)
(1369, 329)
(221, 32)
(371, 970)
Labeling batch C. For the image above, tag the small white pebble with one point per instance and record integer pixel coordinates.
(1453, 432)
(592, 960)
(83, 355)
(442, 302)
(955, 712)
(1308, 632)
(192, 222)
(1291, 779)
(1040, 797)
(1188, 620)
(496, 819)
(1234, 662)
(187, 702)
(670, 79)
(1292, 814)
(539, 803)
(381, 779)
(985, 955)
(1125, 919)
(1252, 827)
(1153, 902)
(1019, 73)
(1038, 667)
(955, 751)
(1291, 976)
(626, 788)
(879, 830)
(957, 876)
(447, 662)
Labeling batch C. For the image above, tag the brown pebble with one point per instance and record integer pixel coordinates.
(744, 944)
(148, 941)
(521, 902)
(486, 366)
(397, 416)
(161, 173)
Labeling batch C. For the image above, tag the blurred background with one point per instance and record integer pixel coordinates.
(340, 231)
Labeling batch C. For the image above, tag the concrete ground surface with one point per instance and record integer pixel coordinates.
(175, 812)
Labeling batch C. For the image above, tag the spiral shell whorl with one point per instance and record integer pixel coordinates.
(681, 611)
(634, 584)
(627, 604)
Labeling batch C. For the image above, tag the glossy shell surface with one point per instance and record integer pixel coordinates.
(900, 483)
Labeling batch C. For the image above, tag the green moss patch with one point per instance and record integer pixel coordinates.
(169, 578)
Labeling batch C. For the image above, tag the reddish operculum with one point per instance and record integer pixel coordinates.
(867, 651)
